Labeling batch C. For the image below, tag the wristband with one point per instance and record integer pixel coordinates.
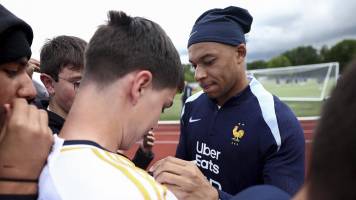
(5, 179)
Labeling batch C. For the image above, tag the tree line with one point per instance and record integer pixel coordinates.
(342, 52)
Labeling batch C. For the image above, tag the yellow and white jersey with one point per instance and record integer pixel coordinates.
(80, 169)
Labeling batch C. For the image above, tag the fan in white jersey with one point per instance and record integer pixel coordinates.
(132, 72)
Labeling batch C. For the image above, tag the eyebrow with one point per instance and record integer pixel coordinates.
(22, 64)
(203, 57)
(22, 60)
(75, 78)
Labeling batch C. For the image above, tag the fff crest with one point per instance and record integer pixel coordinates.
(237, 133)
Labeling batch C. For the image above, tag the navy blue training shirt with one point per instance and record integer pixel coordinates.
(254, 138)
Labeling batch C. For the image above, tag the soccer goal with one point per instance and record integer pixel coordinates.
(300, 86)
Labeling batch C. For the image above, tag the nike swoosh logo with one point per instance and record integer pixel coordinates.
(191, 120)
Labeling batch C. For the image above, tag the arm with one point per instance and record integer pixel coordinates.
(34, 66)
(25, 142)
(144, 154)
(184, 179)
(183, 154)
(285, 168)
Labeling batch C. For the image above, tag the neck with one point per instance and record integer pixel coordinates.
(53, 107)
(239, 86)
(94, 116)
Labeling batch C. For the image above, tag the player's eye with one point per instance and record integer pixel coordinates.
(11, 73)
(209, 61)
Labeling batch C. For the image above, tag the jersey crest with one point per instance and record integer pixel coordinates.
(237, 133)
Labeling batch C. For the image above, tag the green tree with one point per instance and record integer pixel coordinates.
(324, 51)
(342, 52)
(279, 61)
(188, 73)
(302, 55)
(258, 64)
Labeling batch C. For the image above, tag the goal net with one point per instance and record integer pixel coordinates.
(301, 87)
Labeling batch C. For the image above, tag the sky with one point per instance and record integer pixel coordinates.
(278, 25)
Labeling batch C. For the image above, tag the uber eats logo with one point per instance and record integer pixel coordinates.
(206, 156)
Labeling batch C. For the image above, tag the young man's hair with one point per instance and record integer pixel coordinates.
(60, 52)
(332, 172)
(126, 44)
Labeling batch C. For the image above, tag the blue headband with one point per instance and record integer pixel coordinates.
(227, 26)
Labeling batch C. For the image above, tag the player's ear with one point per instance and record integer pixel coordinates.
(141, 82)
(240, 52)
(47, 81)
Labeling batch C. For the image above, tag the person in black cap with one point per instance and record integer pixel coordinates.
(25, 138)
(236, 132)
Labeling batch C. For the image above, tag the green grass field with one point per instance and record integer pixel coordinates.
(309, 88)
(305, 109)
(173, 113)
(300, 108)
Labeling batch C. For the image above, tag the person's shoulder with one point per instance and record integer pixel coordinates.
(194, 102)
(264, 99)
(40, 103)
(195, 97)
(271, 106)
(55, 122)
(285, 114)
(83, 167)
(262, 192)
(279, 104)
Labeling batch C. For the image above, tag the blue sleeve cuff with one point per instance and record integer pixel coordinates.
(224, 195)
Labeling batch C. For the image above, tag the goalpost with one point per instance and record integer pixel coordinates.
(300, 86)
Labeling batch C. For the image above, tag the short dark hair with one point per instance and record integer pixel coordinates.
(333, 163)
(62, 51)
(126, 44)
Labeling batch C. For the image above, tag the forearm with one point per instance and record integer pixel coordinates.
(18, 190)
(17, 183)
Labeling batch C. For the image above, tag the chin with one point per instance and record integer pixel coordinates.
(128, 145)
(124, 147)
(212, 95)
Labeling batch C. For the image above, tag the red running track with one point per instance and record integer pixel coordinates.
(167, 137)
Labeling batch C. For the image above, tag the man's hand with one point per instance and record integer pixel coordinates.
(25, 140)
(148, 142)
(35, 63)
(184, 179)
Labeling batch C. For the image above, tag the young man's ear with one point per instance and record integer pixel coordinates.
(241, 52)
(47, 81)
(142, 81)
